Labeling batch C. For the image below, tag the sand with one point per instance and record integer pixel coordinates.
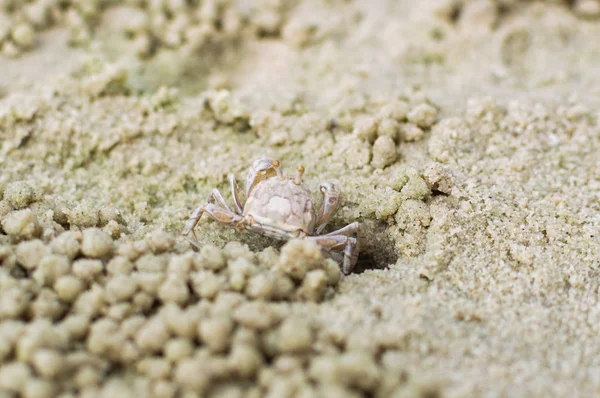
(465, 136)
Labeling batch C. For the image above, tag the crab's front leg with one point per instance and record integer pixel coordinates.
(340, 243)
(331, 204)
(234, 194)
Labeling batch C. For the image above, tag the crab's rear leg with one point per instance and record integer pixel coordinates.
(221, 213)
(217, 213)
(353, 228)
(340, 243)
(198, 211)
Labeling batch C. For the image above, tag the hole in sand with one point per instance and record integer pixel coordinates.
(377, 248)
(377, 253)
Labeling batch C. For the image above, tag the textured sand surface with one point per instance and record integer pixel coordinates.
(465, 136)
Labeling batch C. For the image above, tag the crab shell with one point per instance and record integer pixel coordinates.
(281, 208)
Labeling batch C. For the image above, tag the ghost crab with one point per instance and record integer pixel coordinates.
(281, 208)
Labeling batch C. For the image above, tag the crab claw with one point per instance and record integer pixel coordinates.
(331, 202)
(261, 170)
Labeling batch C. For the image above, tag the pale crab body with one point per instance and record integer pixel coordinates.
(282, 208)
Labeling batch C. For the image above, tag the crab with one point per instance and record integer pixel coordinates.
(281, 208)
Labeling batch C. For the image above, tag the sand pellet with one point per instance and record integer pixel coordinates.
(68, 287)
(366, 129)
(160, 241)
(255, 315)
(22, 223)
(96, 243)
(19, 194)
(216, 333)
(31, 253)
(66, 243)
(152, 336)
(314, 285)
(87, 270)
(384, 152)
(422, 115)
(295, 336)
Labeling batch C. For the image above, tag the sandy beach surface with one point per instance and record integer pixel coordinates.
(463, 134)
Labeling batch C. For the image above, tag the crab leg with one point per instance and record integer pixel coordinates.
(214, 195)
(334, 243)
(217, 213)
(350, 255)
(219, 198)
(347, 230)
(234, 194)
(331, 204)
(220, 213)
